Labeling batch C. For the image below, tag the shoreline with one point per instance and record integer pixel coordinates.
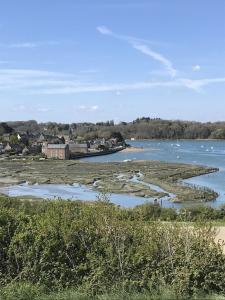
(182, 139)
(136, 149)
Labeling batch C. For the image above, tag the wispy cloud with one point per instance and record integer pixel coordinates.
(157, 56)
(29, 44)
(138, 44)
(198, 84)
(43, 109)
(88, 108)
(52, 83)
(23, 45)
(31, 109)
(195, 85)
(105, 30)
(89, 71)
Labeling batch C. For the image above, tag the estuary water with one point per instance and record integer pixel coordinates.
(203, 152)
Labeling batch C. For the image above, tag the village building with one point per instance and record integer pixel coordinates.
(51, 139)
(8, 148)
(59, 151)
(67, 138)
(78, 148)
(14, 148)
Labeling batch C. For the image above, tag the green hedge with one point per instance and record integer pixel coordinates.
(97, 248)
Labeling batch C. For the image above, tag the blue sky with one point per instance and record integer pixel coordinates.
(92, 60)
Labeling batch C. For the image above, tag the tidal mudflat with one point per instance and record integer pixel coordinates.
(114, 177)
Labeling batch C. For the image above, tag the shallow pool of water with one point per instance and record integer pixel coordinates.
(74, 192)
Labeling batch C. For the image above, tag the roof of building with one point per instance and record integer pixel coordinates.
(57, 146)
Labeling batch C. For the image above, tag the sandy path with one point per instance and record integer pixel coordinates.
(220, 236)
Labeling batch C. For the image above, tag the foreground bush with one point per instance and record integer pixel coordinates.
(98, 249)
(25, 291)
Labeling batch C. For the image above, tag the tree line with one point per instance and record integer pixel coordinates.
(141, 128)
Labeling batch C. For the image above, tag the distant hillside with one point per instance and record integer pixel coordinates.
(25, 126)
(5, 128)
(141, 128)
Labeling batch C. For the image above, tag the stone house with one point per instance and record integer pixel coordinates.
(59, 151)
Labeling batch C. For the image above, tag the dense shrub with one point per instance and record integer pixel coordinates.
(98, 248)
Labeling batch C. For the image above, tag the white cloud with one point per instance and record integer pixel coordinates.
(43, 109)
(94, 107)
(139, 45)
(196, 68)
(88, 108)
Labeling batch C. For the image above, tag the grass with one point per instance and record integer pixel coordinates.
(25, 291)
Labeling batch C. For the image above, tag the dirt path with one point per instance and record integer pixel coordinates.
(220, 236)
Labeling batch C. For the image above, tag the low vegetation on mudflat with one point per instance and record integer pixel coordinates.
(76, 250)
(111, 177)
